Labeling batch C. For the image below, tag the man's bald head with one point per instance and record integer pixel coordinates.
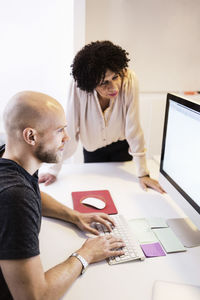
(29, 109)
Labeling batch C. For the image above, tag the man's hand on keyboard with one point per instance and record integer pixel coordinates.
(100, 248)
(84, 221)
(132, 249)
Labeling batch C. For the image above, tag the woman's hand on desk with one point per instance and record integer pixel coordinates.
(84, 221)
(147, 181)
(47, 178)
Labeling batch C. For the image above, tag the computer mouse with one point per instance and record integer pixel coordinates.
(94, 202)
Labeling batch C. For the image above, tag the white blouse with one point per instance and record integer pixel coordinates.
(96, 129)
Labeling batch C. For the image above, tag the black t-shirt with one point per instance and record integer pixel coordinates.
(20, 215)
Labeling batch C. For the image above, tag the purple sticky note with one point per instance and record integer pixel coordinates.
(153, 250)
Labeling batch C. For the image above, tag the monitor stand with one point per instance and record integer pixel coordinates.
(186, 231)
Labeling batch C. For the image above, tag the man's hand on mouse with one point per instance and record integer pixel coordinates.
(84, 221)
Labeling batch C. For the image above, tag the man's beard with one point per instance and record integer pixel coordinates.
(46, 156)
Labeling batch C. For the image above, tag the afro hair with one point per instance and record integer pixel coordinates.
(93, 60)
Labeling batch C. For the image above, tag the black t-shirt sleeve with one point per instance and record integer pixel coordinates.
(19, 223)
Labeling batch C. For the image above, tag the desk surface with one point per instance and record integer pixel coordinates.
(133, 280)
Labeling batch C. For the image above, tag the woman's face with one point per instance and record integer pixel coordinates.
(110, 86)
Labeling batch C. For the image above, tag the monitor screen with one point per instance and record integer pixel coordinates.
(180, 157)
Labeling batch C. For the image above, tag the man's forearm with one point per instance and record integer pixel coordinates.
(26, 279)
(54, 209)
(61, 277)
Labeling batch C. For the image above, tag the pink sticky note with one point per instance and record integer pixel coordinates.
(153, 250)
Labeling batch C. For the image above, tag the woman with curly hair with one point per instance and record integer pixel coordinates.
(102, 111)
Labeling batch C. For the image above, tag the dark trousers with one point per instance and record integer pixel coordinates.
(115, 152)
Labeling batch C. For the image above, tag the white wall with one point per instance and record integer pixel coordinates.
(162, 37)
(152, 109)
(79, 24)
(36, 47)
(163, 40)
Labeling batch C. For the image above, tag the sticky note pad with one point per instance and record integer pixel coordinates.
(142, 230)
(153, 250)
(169, 240)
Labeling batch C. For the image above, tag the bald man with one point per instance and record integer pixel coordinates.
(36, 132)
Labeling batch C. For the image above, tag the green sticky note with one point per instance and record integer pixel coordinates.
(169, 240)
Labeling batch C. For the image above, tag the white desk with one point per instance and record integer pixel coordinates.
(133, 280)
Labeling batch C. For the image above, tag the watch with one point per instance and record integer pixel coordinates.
(82, 260)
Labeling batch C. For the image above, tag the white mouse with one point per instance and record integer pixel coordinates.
(94, 202)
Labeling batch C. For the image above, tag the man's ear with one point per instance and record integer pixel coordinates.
(30, 136)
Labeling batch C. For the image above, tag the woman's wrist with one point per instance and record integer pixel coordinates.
(147, 175)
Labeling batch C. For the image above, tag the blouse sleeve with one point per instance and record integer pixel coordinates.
(133, 130)
(72, 116)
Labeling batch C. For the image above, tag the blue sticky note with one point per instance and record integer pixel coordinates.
(153, 250)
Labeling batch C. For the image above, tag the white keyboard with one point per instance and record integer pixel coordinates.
(132, 250)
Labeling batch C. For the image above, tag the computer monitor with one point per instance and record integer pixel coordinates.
(180, 165)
